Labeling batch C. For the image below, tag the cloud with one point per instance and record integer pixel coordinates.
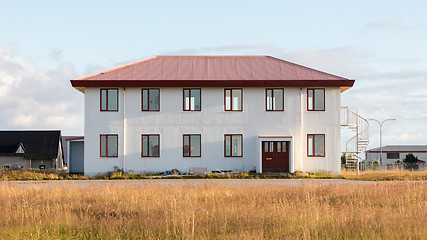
(390, 23)
(31, 98)
(56, 55)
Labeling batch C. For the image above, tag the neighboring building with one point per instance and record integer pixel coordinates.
(74, 153)
(236, 113)
(31, 149)
(391, 153)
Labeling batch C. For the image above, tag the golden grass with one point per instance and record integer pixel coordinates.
(389, 175)
(383, 211)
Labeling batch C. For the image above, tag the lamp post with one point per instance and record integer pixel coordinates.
(381, 137)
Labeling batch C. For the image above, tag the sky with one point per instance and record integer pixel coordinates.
(380, 44)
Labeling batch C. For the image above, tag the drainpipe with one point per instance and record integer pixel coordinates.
(302, 128)
(124, 130)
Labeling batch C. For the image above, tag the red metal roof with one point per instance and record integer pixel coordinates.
(188, 71)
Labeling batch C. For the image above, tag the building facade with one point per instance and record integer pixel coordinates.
(31, 149)
(219, 113)
(392, 153)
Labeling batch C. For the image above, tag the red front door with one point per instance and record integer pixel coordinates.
(275, 156)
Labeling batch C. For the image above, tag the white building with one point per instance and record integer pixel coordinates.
(236, 113)
(391, 153)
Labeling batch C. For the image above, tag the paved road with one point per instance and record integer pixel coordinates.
(183, 182)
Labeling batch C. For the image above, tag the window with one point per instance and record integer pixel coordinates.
(316, 99)
(109, 145)
(233, 99)
(42, 167)
(150, 145)
(6, 167)
(150, 99)
(316, 145)
(393, 155)
(233, 145)
(109, 99)
(192, 100)
(192, 146)
(274, 99)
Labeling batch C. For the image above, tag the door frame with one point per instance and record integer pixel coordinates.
(289, 139)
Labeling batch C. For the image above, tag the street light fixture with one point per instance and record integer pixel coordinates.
(381, 137)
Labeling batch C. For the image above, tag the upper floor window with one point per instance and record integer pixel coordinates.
(109, 99)
(233, 145)
(316, 145)
(316, 99)
(274, 99)
(150, 145)
(393, 155)
(150, 99)
(233, 99)
(192, 145)
(192, 99)
(109, 145)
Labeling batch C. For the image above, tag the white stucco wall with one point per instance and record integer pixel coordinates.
(212, 123)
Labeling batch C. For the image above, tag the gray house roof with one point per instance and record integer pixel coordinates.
(36, 144)
(401, 148)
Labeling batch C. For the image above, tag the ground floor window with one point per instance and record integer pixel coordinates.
(150, 145)
(316, 145)
(233, 145)
(192, 145)
(108, 145)
(393, 155)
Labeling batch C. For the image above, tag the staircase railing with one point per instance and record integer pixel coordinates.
(358, 143)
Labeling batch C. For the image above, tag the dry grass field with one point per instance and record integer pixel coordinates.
(391, 210)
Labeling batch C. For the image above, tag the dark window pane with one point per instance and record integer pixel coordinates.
(145, 100)
(186, 99)
(319, 99)
(319, 145)
(227, 145)
(112, 145)
(195, 99)
(310, 99)
(237, 145)
(269, 99)
(237, 99)
(278, 99)
(195, 145)
(144, 146)
(186, 146)
(112, 99)
(153, 146)
(310, 145)
(154, 104)
(227, 99)
(103, 146)
(103, 99)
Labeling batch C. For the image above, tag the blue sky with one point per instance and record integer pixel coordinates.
(380, 44)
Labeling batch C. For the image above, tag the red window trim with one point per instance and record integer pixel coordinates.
(314, 147)
(314, 100)
(231, 100)
(148, 144)
(189, 104)
(106, 145)
(283, 99)
(231, 143)
(148, 97)
(106, 100)
(189, 143)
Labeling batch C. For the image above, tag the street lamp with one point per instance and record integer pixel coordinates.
(381, 137)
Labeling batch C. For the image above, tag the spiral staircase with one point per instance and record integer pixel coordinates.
(358, 143)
